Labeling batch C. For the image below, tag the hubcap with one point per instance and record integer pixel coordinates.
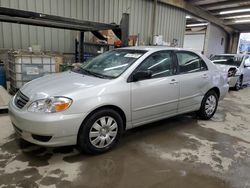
(238, 83)
(210, 105)
(103, 132)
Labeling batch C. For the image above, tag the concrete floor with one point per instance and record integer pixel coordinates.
(177, 152)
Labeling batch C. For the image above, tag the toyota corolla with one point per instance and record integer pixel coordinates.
(121, 89)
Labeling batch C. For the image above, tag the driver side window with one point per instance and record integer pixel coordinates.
(160, 64)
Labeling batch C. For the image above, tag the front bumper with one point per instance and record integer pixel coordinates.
(223, 91)
(62, 129)
(232, 81)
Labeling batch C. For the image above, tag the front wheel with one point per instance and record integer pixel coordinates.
(100, 132)
(238, 84)
(208, 105)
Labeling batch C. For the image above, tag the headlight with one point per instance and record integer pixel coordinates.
(50, 105)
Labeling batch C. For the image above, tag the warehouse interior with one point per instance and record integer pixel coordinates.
(42, 38)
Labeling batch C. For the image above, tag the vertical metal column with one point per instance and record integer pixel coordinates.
(81, 47)
(76, 51)
(154, 19)
(124, 25)
(233, 43)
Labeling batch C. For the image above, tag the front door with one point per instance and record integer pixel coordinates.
(156, 97)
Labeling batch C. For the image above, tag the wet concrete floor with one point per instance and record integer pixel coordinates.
(177, 152)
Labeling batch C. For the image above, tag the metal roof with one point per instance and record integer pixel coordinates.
(230, 11)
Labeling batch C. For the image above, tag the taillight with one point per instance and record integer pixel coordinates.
(231, 72)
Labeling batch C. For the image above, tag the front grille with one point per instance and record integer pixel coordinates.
(21, 100)
(41, 138)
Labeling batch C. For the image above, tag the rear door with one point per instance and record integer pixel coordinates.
(193, 79)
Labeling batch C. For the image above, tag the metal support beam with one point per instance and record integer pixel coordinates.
(81, 47)
(44, 23)
(40, 19)
(154, 19)
(203, 2)
(232, 15)
(43, 18)
(233, 43)
(232, 22)
(124, 29)
(182, 4)
(217, 12)
(76, 51)
(223, 4)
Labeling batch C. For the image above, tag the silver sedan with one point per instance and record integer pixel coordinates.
(93, 105)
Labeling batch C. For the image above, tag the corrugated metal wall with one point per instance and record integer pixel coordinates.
(170, 22)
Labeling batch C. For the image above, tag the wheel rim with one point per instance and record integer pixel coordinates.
(103, 132)
(210, 105)
(238, 83)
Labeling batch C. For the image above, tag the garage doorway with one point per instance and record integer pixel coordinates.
(195, 33)
(244, 43)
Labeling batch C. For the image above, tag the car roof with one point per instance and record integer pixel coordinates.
(237, 55)
(156, 48)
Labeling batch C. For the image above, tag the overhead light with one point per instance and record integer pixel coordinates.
(235, 11)
(196, 25)
(241, 21)
(188, 17)
(240, 16)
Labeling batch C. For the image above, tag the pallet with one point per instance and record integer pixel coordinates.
(4, 99)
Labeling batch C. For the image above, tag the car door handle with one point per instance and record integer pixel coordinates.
(204, 76)
(173, 81)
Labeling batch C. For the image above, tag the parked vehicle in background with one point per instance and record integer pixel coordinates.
(116, 91)
(237, 66)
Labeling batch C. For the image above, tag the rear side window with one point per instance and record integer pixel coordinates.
(190, 62)
(161, 64)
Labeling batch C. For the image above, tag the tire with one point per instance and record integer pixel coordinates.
(238, 84)
(100, 132)
(204, 113)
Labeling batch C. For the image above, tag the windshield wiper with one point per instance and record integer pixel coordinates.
(85, 71)
(96, 74)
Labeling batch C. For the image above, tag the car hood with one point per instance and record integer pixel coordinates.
(60, 84)
(225, 68)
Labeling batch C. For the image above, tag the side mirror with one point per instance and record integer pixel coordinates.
(142, 75)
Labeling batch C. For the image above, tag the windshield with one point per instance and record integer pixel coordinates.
(227, 60)
(111, 64)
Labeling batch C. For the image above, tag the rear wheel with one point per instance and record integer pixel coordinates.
(100, 132)
(208, 105)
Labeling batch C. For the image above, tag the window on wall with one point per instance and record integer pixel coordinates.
(190, 62)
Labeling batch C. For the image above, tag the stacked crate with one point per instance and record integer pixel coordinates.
(25, 66)
(4, 59)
